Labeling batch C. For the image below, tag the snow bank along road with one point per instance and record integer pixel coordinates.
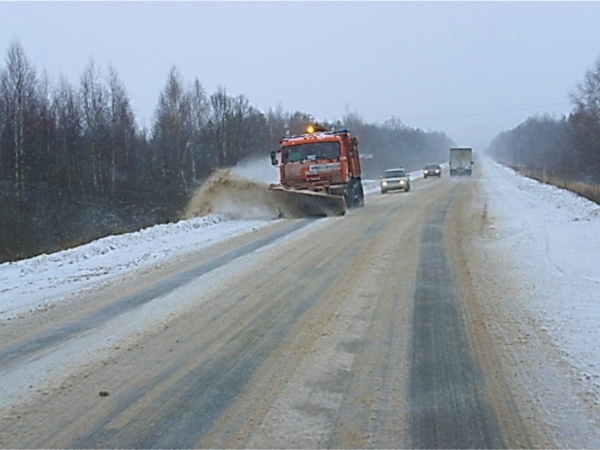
(389, 327)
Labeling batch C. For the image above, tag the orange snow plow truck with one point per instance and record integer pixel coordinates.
(319, 172)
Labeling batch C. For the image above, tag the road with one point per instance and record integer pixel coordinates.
(363, 331)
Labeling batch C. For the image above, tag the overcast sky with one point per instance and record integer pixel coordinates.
(470, 69)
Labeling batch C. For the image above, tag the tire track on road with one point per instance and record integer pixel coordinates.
(449, 406)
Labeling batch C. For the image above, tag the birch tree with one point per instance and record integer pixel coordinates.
(171, 137)
(94, 99)
(199, 154)
(18, 91)
(220, 110)
(69, 136)
(122, 131)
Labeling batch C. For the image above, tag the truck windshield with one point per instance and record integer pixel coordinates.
(312, 151)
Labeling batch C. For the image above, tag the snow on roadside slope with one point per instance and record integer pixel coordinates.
(553, 239)
(33, 283)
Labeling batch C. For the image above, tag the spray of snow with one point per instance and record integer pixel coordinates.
(233, 196)
(241, 193)
(257, 169)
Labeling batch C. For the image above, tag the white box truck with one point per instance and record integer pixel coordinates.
(461, 161)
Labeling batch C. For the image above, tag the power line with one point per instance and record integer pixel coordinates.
(485, 112)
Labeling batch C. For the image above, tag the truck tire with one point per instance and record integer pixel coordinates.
(354, 196)
(361, 194)
(349, 195)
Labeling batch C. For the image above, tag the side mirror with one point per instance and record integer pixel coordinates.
(274, 158)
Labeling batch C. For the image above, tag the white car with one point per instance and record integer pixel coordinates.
(395, 180)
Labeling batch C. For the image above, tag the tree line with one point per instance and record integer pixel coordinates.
(75, 165)
(558, 150)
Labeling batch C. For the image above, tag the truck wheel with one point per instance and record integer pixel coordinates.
(361, 195)
(349, 195)
(354, 196)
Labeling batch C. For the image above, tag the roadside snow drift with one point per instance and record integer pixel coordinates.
(37, 282)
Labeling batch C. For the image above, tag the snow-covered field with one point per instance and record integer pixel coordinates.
(553, 239)
(552, 235)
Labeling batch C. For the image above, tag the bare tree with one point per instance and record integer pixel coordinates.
(587, 95)
(198, 154)
(95, 125)
(298, 121)
(276, 127)
(220, 111)
(18, 91)
(235, 129)
(45, 136)
(585, 121)
(172, 136)
(122, 129)
(69, 131)
(241, 129)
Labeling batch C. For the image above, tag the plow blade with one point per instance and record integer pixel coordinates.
(307, 203)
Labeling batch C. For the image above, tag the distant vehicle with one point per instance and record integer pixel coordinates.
(395, 180)
(432, 170)
(461, 161)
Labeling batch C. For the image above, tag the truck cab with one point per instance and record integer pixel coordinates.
(325, 162)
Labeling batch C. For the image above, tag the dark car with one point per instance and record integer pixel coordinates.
(432, 170)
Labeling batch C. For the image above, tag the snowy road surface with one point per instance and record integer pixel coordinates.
(461, 314)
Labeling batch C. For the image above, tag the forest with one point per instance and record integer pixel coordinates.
(76, 166)
(561, 151)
